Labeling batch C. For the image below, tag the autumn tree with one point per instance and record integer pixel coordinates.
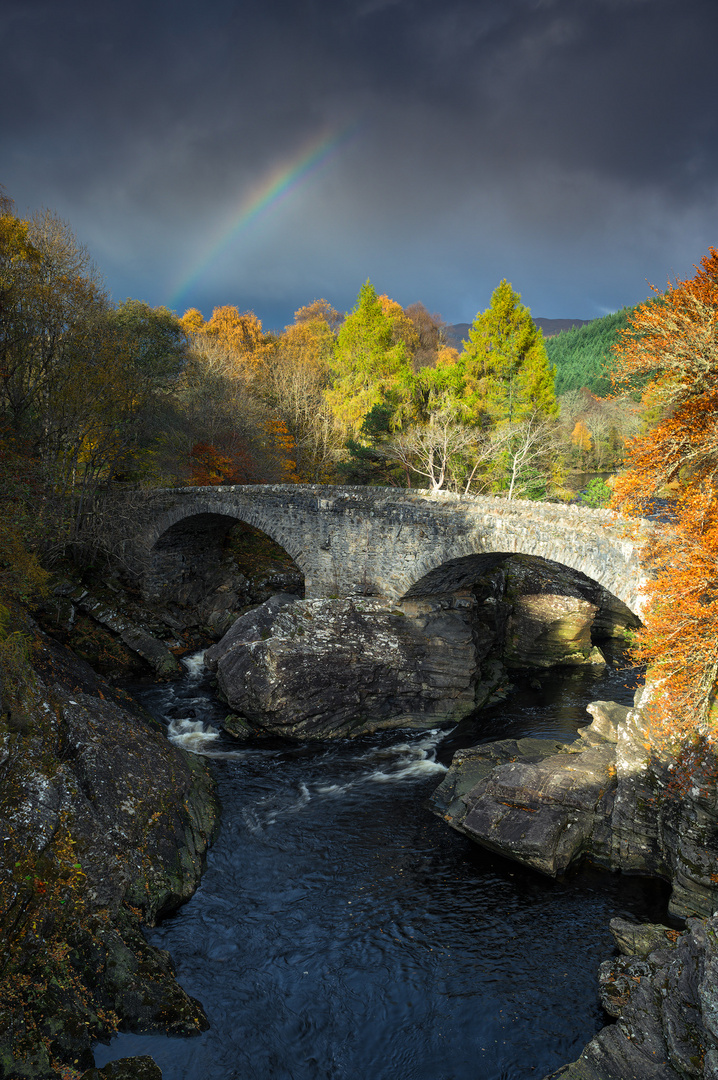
(429, 333)
(215, 427)
(610, 423)
(581, 440)
(231, 340)
(319, 311)
(192, 321)
(671, 341)
(158, 339)
(294, 386)
(273, 386)
(48, 288)
(403, 329)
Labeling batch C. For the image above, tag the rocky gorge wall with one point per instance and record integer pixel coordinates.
(105, 825)
(309, 669)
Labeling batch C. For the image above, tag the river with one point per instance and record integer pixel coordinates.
(342, 931)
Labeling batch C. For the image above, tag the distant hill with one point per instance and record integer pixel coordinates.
(551, 327)
(582, 356)
(458, 332)
(455, 333)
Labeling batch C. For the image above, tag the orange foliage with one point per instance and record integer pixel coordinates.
(211, 466)
(403, 328)
(285, 447)
(192, 321)
(673, 339)
(581, 437)
(679, 639)
(447, 357)
(241, 334)
(319, 311)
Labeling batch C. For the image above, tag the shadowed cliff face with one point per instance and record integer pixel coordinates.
(105, 826)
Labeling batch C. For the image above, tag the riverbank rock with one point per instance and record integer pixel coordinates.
(551, 612)
(640, 939)
(324, 668)
(541, 802)
(133, 635)
(136, 1068)
(105, 826)
(616, 796)
(666, 1005)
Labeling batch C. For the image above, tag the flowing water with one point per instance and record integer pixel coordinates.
(342, 931)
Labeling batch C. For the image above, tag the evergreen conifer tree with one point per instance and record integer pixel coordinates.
(370, 366)
(506, 369)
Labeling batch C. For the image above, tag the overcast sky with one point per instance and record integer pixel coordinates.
(265, 153)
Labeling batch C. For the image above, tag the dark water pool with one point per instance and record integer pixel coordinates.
(343, 931)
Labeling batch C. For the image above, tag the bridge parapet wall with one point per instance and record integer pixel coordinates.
(389, 541)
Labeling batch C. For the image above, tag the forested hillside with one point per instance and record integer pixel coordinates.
(582, 356)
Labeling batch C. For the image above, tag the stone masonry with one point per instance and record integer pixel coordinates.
(384, 542)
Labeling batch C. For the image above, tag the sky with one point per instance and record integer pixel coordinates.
(266, 153)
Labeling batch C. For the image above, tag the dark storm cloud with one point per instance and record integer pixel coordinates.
(569, 146)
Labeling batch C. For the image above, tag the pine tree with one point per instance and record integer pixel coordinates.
(507, 374)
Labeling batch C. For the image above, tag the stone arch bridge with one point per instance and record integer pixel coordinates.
(384, 542)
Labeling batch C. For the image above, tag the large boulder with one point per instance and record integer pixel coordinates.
(332, 667)
(322, 668)
(543, 803)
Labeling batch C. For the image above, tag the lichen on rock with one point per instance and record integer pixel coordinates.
(665, 1001)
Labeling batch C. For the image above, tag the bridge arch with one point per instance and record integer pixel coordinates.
(186, 542)
(458, 563)
(173, 521)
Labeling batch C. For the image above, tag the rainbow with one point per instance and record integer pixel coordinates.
(265, 196)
